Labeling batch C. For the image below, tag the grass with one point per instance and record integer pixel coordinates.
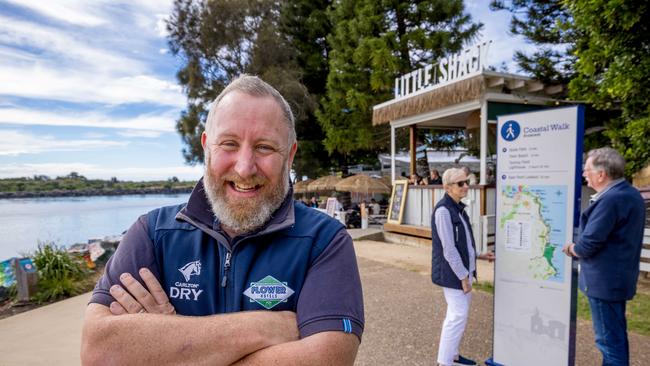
(637, 312)
(638, 309)
(484, 286)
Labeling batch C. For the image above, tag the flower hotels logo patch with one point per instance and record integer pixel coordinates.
(268, 292)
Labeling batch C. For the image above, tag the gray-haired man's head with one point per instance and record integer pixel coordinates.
(254, 86)
(608, 160)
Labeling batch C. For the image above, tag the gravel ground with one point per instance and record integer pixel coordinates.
(404, 314)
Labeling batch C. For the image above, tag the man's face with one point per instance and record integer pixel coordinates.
(247, 161)
(594, 177)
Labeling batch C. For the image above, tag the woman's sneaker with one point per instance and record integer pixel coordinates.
(462, 361)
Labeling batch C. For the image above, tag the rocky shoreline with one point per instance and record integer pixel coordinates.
(94, 192)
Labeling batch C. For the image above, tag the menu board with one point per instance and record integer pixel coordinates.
(397, 201)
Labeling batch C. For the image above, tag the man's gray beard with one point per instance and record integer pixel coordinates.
(243, 215)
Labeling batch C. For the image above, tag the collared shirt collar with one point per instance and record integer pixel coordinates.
(595, 197)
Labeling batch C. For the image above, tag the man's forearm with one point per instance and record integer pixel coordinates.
(327, 349)
(140, 339)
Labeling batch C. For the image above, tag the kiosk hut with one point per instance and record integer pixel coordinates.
(458, 92)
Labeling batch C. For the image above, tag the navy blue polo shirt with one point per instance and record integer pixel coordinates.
(301, 260)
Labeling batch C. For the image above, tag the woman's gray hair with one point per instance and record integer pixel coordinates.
(607, 160)
(453, 175)
(254, 86)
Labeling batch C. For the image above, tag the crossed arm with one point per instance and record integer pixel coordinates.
(141, 328)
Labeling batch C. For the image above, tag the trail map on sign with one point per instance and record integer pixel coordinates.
(534, 225)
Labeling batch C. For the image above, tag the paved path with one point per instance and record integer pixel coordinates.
(404, 313)
(49, 335)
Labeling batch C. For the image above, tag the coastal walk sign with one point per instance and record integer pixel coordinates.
(538, 197)
(464, 64)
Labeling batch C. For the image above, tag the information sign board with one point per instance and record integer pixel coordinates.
(538, 197)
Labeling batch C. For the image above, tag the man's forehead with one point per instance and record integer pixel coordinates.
(235, 98)
(239, 111)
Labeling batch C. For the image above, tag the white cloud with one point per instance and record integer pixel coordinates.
(18, 143)
(495, 28)
(81, 87)
(161, 25)
(78, 12)
(149, 134)
(183, 172)
(164, 122)
(66, 50)
(94, 135)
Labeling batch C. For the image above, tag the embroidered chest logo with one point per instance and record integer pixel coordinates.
(268, 292)
(186, 290)
(192, 268)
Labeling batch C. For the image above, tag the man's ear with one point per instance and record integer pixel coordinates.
(292, 154)
(204, 138)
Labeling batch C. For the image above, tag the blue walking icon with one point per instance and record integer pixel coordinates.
(510, 130)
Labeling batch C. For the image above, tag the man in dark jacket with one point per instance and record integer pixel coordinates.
(609, 250)
(240, 274)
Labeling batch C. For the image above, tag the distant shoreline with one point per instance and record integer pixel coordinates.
(94, 192)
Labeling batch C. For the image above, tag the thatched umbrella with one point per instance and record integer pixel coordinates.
(388, 180)
(301, 187)
(362, 184)
(325, 183)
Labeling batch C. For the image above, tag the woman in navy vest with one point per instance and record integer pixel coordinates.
(453, 263)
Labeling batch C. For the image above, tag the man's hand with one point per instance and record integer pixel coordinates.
(568, 250)
(489, 256)
(137, 299)
(467, 287)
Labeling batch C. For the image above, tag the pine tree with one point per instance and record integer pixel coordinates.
(613, 70)
(373, 42)
(220, 39)
(548, 25)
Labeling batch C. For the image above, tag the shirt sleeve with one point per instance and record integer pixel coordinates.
(135, 251)
(331, 298)
(446, 234)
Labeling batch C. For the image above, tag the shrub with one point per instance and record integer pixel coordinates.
(60, 274)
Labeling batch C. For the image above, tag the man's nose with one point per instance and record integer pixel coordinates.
(245, 166)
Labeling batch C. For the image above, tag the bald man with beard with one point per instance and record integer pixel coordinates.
(240, 274)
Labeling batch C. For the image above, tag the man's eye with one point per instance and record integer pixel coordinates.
(228, 145)
(265, 149)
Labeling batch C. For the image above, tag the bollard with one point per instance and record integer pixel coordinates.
(364, 216)
(26, 278)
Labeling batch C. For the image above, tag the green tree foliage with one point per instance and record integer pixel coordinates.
(221, 39)
(305, 25)
(601, 49)
(547, 24)
(613, 70)
(78, 183)
(373, 42)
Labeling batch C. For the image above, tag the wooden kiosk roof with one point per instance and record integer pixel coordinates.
(508, 87)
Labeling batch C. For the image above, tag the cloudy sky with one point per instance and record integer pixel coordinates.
(89, 86)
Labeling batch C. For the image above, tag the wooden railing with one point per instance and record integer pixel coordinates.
(645, 252)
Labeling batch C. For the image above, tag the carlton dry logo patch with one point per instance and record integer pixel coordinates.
(268, 292)
(187, 290)
(192, 268)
